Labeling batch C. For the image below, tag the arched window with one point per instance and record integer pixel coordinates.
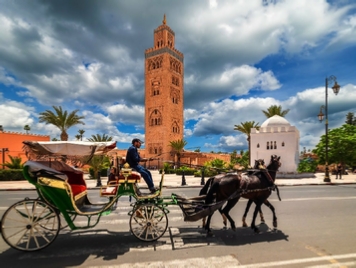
(156, 118)
(282, 143)
(275, 145)
(258, 145)
(267, 145)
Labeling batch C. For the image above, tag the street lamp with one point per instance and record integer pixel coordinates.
(336, 89)
(3, 151)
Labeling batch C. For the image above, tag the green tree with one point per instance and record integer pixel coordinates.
(77, 137)
(178, 148)
(27, 128)
(244, 159)
(81, 133)
(61, 119)
(216, 164)
(307, 165)
(350, 119)
(342, 144)
(15, 163)
(100, 138)
(275, 110)
(246, 129)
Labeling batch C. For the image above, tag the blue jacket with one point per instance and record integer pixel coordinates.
(132, 157)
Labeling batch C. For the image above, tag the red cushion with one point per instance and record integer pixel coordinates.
(109, 190)
(77, 189)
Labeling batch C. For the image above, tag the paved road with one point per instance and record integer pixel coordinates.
(316, 229)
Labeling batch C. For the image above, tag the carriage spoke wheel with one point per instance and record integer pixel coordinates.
(30, 225)
(148, 222)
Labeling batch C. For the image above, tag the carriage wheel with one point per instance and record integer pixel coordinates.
(30, 225)
(148, 222)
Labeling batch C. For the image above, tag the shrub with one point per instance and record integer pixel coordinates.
(307, 165)
(11, 175)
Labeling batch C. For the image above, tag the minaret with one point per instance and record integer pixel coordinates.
(164, 76)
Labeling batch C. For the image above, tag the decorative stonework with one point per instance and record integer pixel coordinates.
(163, 95)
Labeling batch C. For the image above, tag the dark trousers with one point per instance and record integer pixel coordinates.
(339, 173)
(146, 174)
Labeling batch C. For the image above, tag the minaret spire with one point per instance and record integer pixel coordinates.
(164, 19)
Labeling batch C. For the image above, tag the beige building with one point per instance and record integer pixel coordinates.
(276, 136)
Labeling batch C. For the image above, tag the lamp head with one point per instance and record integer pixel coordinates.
(336, 88)
(321, 115)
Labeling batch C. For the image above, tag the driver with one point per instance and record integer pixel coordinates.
(133, 158)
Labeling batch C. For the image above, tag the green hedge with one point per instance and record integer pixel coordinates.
(11, 175)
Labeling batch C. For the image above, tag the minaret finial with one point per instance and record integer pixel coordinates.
(164, 19)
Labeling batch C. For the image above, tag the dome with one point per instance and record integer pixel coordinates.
(276, 121)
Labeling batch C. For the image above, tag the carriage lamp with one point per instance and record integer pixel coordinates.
(336, 89)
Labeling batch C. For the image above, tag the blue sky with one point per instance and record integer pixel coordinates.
(240, 58)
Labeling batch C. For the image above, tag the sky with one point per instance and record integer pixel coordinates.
(240, 57)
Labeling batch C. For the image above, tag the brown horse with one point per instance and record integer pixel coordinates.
(259, 168)
(232, 186)
(259, 164)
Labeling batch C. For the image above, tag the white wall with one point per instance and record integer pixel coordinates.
(289, 153)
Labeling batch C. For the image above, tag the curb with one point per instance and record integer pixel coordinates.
(199, 186)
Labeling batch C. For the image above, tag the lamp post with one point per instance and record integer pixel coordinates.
(336, 89)
(3, 151)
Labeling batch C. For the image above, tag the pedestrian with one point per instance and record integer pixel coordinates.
(133, 158)
(112, 175)
(339, 171)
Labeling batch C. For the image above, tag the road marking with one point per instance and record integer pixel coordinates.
(210, 262)
(299, 261)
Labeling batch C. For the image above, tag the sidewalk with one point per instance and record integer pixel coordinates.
(174, 181)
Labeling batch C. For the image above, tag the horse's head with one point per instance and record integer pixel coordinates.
(259, 164)
(274, 163)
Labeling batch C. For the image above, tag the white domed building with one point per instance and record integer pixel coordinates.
(276, 136)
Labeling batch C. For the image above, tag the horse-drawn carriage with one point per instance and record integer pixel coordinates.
(33, 224)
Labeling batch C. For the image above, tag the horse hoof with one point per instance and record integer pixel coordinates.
(275, 224)
(209, 234)
(244, 225)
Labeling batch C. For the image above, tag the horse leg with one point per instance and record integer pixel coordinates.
(222, 215)
(230, 204)
(253, 223)
(261, 215)
(268, 204)
(207, 226)
(208, 200)
(244, 224)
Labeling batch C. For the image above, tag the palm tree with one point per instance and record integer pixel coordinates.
(246, 129)
(77, 137)
(27, 128)
(81, 133)
(15, 163)
(61, 119)
(275, 110)
(100, 138)
(178, 148)
(97, 161)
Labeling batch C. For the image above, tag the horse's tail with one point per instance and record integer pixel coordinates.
(206, 187)
(278, 193)
(210, 195)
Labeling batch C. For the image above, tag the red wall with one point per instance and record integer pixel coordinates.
(13, 142)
